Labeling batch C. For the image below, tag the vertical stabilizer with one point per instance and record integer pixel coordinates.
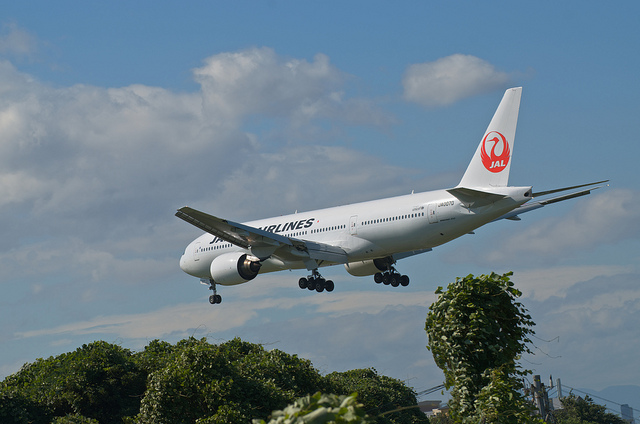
(491, 163)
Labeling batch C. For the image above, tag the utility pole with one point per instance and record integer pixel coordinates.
(559, 384)
(540, 397)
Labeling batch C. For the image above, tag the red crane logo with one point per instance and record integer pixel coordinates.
(495, 161)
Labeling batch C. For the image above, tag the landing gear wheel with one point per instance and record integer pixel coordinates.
(302, 283)
(316, 282)
(391, 277)
(215, 298)
(311, 284)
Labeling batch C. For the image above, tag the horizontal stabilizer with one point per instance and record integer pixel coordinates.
(537, 204)
(475, 198)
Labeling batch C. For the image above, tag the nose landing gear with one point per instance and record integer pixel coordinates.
(215, 298)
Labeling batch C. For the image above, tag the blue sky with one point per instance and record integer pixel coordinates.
(114, 115)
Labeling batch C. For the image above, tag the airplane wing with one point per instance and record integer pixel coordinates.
(537, 204)
(263, 244)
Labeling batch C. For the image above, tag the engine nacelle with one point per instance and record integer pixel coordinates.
(234, 268)
(368, 267)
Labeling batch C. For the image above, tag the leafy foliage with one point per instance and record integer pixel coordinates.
(202, 380)
(577, 410)
(500, 402)
(156, 354)
(477, 332)
(192, 381)
(74, 419)
(98, 380)
(15, 408)
(320, 409)
(441, 419)
(382, 397)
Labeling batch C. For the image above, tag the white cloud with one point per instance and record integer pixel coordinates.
(184, 318)
(308, 176)
(608, 216)
(86, 153)
(450, 79)
(594, 323)
(236, 313)
(70, 271)
(604, 218)
(256, 80)
(368, 301)
(17, 41)
(542, 284)
(17, 187)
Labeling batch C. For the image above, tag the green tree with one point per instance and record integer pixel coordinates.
(192, 381)
(98, 380)
(387, 399)
(155, 355)
(16, 408)
(477, 332)
(441, 419)
(74, 419)
(228, 383)
(576, 410)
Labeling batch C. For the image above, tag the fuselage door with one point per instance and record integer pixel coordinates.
(196, 251)
(353, 225)
(432, 212)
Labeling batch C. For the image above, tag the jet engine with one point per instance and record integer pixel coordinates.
(234, 268)
(368, 267)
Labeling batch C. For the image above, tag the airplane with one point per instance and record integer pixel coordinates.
(368, 238)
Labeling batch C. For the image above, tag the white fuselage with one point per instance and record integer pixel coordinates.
(365, 231)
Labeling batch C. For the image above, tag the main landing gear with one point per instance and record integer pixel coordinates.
(316, 282)
(391, 277)
(215, 297)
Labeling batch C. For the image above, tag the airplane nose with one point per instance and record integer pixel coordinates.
(183, 263)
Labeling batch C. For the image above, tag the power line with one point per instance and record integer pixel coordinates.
(431, 390)
(599, 397)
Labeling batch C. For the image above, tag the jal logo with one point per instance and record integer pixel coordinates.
(498, 157)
